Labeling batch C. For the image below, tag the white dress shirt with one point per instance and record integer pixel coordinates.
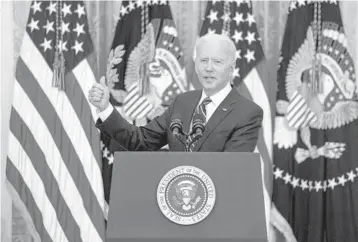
(105, 113)
(216, 100)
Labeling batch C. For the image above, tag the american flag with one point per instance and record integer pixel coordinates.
(54, 162)
(236, 19)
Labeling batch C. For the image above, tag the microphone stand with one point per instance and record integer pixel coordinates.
(187, 142)
(187, 139)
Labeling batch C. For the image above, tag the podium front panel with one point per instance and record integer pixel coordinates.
(238, 214)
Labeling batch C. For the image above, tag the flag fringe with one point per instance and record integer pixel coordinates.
(19, 204)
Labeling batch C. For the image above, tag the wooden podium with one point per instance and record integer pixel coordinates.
(237, 215)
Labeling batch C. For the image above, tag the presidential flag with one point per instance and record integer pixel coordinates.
(236, 20)
(315, 188)
(145, 68)
(54, 163)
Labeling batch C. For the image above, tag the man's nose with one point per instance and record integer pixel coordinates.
(209, 66)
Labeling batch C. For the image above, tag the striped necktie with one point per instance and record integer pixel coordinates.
(201, 110)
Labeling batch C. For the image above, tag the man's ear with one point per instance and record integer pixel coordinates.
(195, 66)
(232, 68)
(233, 65)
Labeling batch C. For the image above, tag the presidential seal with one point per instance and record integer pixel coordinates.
(186, 195)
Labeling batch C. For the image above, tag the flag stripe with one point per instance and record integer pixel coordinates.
(84, 77)
(282, 224)
(36, 157)
(133, 89)
(294, 99)
(300, 106)
(64, 109)
(128, 103)
(253, 89)
(145, 111)
(297, 123)
(310, 118)
(259, 96)
(67, 186)
(131, 106)
(84, 114)
(131, 92)
(295, 103)
(294, 107)
(261, 146)
(20, 200)
(297, 118)
(141, 109)
(21, 162)
(267, 188)
(264, 153)
(23, 199)
(142, 101)
(294, 96)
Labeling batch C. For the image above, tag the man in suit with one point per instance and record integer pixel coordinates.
(232, 122)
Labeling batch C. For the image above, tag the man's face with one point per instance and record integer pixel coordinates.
(213, 66)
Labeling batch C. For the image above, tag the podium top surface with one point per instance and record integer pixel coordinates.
(237, 215)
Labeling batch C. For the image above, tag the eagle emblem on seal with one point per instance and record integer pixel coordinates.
(185, 195)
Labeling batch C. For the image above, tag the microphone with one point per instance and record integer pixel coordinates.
(198, 125)
(176, 127)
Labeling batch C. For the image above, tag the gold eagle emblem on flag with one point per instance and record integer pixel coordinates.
(333, 107)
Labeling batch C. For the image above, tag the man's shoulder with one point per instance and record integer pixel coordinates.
(185, 98)
(244, 103)
(189, 94)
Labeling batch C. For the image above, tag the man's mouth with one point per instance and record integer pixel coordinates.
(209, 78)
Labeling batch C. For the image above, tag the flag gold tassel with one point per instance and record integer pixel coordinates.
(61, 76)
(58, 79)
(143, 84)
(317, 62)
(56, 67)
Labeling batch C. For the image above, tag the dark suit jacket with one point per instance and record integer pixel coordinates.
(234, 126)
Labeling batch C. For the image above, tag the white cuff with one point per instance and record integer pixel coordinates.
(105, 113)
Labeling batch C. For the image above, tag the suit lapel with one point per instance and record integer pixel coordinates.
(218, 116)
(190, 104)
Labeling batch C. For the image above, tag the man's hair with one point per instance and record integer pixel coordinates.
(229, 45)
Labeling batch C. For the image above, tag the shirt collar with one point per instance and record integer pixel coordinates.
(219, 96)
